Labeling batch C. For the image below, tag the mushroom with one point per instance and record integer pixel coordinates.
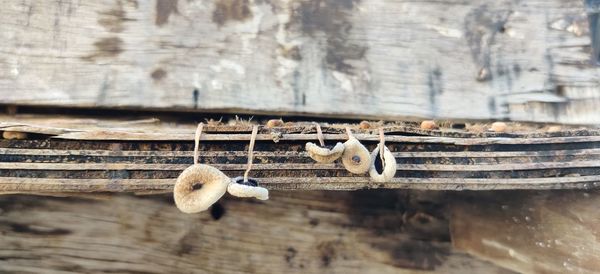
(14, 135)
(356, 157)
(275, 123)
(244, 186)
(499, 127)
(321, 153)
(213, 184)
(383, 166)
(428, 125)
(240, 188)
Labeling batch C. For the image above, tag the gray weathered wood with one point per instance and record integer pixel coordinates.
(530, 232)
(299, 232)
(521, 60)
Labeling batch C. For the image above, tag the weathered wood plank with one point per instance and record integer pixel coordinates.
(122, 156)
(530, 232)
(299, 232)
(519, 60)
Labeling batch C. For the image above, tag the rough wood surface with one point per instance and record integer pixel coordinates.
(520, 60)
(78, 156)
(298, 232)
(531, 232)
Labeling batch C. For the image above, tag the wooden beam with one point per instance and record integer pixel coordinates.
(381, 232)
(518, 60)
(530, 232)
(79, 157)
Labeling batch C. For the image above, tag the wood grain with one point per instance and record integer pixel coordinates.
(517, 60)
(299, 232)
(530, 232)
(86, 155)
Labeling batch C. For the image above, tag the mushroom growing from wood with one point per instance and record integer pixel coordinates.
(198, 187)
(323, 154)
(244, 186)
(383, 163)
(428, 125)
(499, 127)
(356, 158)
(247, 189)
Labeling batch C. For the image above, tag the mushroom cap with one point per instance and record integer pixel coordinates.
(389, 167)
(324, 155)
(214, 184)
(428, 125)
(246, 190)
(353, 150)
(499, 127)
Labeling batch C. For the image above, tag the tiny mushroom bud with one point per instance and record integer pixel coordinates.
(249, 189)
(356, 158)
(212, 182)
(16, 135)
(382, 170)
(554, 129)
(499, 127)
(275, 123)
(428, 125)
(364, 125)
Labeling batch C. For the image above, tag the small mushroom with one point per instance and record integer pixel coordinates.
(428, 125)
(382, 170)
(323, 154)
(356, 157)
(212, 182)
(554, 129)
(14, 135)
(239, 188)
(275, 123)
(499, 127)
(364, 125)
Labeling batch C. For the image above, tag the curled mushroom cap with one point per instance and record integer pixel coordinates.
(239, 188)
(323, 154)
(356, 157)
(382, 171)
(213, 184)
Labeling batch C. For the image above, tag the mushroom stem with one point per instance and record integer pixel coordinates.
(197, 141)
(250, 152)
(320, 135)
(381, 145)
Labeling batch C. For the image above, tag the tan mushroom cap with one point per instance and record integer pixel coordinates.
(324, 155)
(247, 191)
(214, 184)
(354, 150)
(389, 167)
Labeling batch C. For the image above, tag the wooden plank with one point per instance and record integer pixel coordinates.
(299, 232)
(134, 159)
(11, 185)
(530, 232)
(524, 61)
